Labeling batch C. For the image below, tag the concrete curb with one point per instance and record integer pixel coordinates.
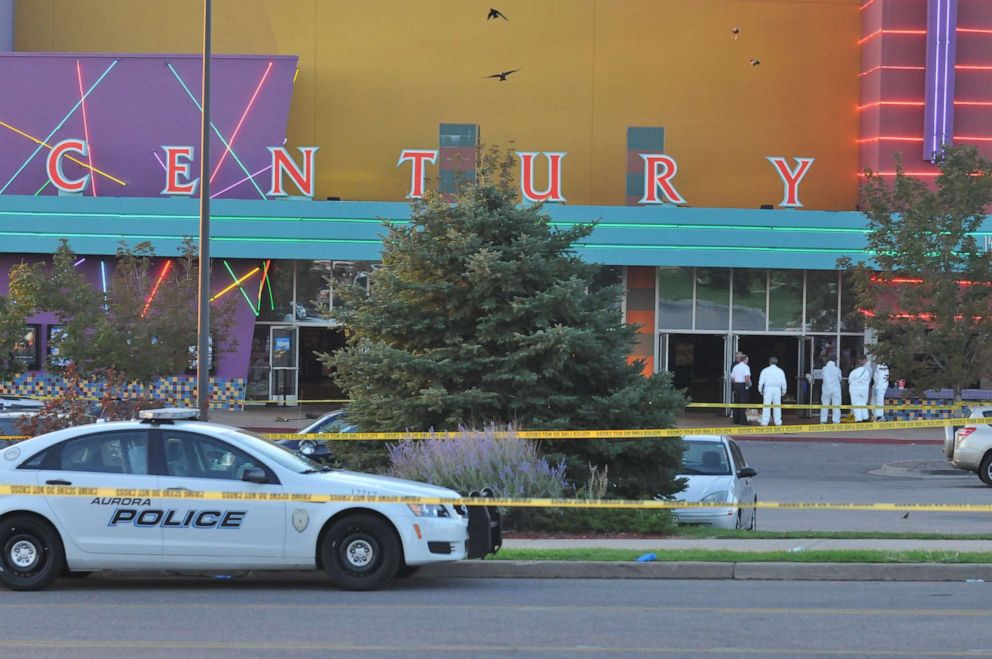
(711, 570)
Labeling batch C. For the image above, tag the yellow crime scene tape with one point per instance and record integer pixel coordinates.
(131, 493)
(640, 433)
(643, 433)
(811, 406)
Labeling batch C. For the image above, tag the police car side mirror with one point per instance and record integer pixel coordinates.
(254, 475)
(747, 472)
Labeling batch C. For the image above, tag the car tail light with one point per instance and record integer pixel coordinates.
(962, 433)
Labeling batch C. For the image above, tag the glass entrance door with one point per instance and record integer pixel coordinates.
(283, 370)
(729, 351)
(807, 388)
(697, 364)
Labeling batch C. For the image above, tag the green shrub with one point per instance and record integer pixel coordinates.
(606, 521)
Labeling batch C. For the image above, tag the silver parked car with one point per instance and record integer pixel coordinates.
(318, 451)
(716, 472)
(969, 447)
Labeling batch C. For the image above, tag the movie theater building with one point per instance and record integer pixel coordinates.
(717, 144)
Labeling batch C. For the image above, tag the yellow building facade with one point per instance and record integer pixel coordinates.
(730, 81)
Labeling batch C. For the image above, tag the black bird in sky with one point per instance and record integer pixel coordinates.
(496, 13)
(502, 74)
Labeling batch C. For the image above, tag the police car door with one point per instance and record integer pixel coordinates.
(104, 525)
(216, 528)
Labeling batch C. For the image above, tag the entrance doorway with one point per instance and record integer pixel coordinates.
(788, 350)
(315, 378)
(696, 363)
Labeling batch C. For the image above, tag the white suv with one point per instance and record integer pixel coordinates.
(970, 447)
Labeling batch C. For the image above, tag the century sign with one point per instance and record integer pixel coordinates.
(659, 173)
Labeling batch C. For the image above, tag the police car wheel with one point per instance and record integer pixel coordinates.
(32, 556)
(361, 552)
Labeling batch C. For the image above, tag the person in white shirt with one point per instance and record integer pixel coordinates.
(858, 384)
(881, 386)
(740, 384)
(830, 394)
(771, 385)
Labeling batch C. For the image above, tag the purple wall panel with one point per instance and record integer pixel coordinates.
(138, 106)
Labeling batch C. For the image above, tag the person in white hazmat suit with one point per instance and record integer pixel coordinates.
(858, 385)
(881, 385)
(831, 392)
(771, 386)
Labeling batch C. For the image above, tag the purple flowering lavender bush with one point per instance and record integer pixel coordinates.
(515, 468)
(510, 466)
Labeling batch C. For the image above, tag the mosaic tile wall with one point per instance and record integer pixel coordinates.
(228, 393)
(928, 409)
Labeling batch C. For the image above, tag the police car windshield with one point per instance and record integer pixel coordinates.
(283, 456)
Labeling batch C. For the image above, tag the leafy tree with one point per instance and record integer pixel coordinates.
(482, 313)
(120, 337)
(927, 294)
(12, 319)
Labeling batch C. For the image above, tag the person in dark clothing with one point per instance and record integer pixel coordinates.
(740, 384)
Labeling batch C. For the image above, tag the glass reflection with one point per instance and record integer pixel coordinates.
(258, 366)
(851, 320)
(785, 300)
(277, 294)
(313, 295)
(712, 298)
(675, 298)
(821, 301)
(749, 299)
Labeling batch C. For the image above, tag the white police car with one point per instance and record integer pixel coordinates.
(360, 545)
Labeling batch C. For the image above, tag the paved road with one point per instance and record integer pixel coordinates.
(171, 617)
(842, 472)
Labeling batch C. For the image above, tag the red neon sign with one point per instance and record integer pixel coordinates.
(283, 163)
(659, 170)
(550, 193)
(54, 165)
(174, 168)
(791, 178)
(418, 170)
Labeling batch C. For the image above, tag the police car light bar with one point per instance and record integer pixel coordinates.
(169, 414)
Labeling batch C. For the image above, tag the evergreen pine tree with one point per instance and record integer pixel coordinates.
(482, 313)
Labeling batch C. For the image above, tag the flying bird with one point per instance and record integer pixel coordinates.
(754, 61)
(502, 74)
(735, 31)
(496, 13)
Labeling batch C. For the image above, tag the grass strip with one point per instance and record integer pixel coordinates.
(707, 532)
(729, 556)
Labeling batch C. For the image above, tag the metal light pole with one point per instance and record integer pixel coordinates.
(203, 314)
